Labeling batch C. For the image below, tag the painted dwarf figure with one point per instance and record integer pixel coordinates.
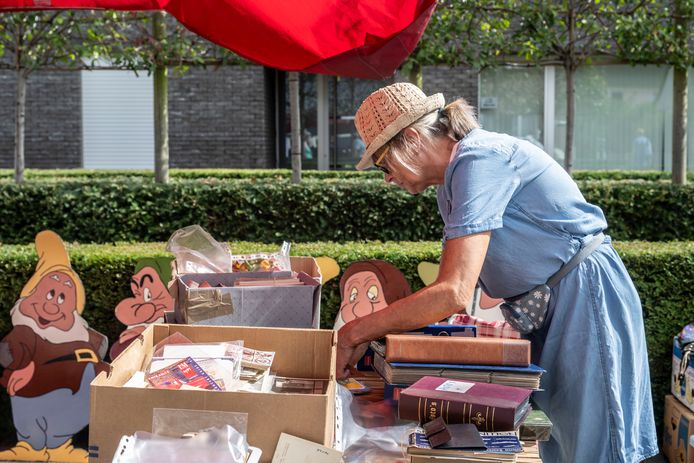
(369, 286)
(50, 356)
(149, 303)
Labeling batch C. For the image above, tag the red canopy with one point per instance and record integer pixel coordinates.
(356, 38)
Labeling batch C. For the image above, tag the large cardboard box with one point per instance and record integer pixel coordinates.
(678, 426)
(684, 389)
(281, 306)
(116, 411)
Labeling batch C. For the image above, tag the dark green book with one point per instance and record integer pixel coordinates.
(536, 427)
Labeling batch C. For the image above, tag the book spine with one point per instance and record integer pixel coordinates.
(486, 418)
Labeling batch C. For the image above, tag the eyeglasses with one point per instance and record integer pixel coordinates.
(377, 159)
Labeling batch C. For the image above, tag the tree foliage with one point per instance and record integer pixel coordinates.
(484, 33)
(53, 39)
(139, 48)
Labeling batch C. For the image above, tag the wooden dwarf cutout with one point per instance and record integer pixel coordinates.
(149, 302)
(367, 287)
(50, 356)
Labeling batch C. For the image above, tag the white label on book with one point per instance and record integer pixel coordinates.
(455, 386)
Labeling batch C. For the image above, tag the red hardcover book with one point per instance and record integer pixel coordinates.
(491, 407)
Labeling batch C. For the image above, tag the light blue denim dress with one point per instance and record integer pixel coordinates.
(597, 389)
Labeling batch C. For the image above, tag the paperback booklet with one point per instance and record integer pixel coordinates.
(491, 407)
(184, 373)
(501, 446)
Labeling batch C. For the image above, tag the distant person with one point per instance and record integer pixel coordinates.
(534, 139)
(642, 149)
(309, 142)
(358, 148)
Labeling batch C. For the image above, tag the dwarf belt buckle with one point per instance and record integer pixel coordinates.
(86, 355)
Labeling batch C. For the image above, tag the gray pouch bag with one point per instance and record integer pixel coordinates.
(528, 312)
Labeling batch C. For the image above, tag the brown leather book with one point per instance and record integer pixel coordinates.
(490, 407)
(453, 349)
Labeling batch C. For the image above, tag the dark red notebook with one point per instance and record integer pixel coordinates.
(490, 407)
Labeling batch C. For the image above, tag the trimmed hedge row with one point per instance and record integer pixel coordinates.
(101, 211)
(663, 274)
(175, 174)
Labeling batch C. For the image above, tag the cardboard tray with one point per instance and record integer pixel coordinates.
(116, 411)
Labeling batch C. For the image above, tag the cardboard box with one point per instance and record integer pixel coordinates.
(278, 306)
(116, 411)
(682, 390)
(678, 426)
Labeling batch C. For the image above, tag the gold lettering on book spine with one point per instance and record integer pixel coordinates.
(419, 410)
(432, 411)
(493, 411)
(486, 417)
(448, 406)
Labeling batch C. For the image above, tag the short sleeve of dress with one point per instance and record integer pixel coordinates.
(480, 182)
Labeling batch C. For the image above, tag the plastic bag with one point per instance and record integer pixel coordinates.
(263, 262)
(175, 422)
(364, 444)
(181, 435)
(210, 445)
(197, 252)
(221, 361)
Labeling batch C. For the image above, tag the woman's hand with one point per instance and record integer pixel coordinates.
(348, 353)
(344, 354)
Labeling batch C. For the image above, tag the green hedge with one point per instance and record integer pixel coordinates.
(175, 174)
(138, 210)
(663, 274)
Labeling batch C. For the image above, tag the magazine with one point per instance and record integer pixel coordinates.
(186, 372)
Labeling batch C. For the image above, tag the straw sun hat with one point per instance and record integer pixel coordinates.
(387, 111)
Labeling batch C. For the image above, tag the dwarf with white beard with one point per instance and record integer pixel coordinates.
(50, 357)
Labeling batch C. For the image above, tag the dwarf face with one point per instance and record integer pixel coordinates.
(363, 294)
(149, 302)
(53, 302)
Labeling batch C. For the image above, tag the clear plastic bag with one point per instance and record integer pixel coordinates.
(175, 422)
(263, 262)
(197, 252)
(221, 361)
(362, 443)
(211, 445)
(180, 435)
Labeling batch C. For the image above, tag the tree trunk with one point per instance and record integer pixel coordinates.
(679, 127)
(570, 110)
(161, 106)
(20, 112)
(679, 103)
(415, 75)
(295, 125)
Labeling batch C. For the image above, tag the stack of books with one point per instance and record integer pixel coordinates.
(401, 360)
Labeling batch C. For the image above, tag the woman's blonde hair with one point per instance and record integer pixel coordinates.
(455, 121)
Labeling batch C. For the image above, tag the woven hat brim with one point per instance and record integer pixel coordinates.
(431, 103)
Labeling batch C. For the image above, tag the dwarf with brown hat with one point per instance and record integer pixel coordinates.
(512, 218)
(50, 357)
